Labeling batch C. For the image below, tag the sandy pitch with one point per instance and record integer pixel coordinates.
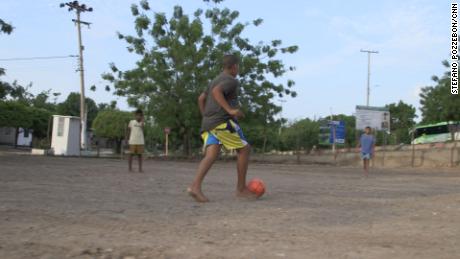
(93, 208)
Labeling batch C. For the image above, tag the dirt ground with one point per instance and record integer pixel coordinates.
(93, 208)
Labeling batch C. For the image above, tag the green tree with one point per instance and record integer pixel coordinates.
(23, 110)
(40, 119)
(438, 104)
(42, 101)
(5, 27)
(178, 58)
(71, 107)
(23, 95)
(401, 121)
(4, 87)
(112, 124)
(19, 115)
(302, 134)
(16, 115)
(17, 92)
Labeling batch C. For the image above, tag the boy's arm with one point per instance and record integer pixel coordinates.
(218, 94)
(358, 145)
(202, 102)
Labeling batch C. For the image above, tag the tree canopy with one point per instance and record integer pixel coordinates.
(19, 115)
(112, 124)
(71, 107)
(5, 27)
(437, 102)
(178, 57)
(402, 118)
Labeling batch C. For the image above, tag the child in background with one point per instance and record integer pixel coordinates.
(367, 145)
(136, 138)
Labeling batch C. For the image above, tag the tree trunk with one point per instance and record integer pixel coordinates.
(298, 150)
(118, 146)
(189, 141)
(186, 142)
(264, 146)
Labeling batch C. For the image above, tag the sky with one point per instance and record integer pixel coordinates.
(412, 38)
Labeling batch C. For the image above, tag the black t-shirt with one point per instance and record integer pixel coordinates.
(214, 114)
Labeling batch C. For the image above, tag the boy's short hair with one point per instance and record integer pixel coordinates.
(139, 111)
(230, 60)
(367, 127)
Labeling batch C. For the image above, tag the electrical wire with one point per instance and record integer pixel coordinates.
(38, 58)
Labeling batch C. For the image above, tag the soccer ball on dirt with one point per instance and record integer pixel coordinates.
(256, 186)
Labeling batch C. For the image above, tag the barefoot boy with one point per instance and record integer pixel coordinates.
(219, 108)
(367, 144)
(136, 138)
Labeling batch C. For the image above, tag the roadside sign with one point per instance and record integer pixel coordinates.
(326, 133)
(167, 130)
(339, 127)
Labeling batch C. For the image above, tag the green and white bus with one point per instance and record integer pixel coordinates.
(438, 132)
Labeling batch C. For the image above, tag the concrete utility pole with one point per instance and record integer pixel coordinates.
(369, 52)
(79, 8)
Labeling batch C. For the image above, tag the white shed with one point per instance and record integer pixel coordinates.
(8, 136)
(66, 135)
(24, 137)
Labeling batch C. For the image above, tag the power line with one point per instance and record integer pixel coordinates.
(38, 58)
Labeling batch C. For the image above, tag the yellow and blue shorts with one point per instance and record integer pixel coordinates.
(228, 134)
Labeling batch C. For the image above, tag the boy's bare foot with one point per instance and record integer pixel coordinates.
(245, 193)
(197, 195)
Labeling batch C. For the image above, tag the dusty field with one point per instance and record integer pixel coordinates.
(93, 208)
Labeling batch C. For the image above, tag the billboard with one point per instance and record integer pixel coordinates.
(375, 117)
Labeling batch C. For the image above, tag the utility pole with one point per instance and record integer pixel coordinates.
(369, 52)
(79, 8)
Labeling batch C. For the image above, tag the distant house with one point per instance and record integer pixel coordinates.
(9, 136)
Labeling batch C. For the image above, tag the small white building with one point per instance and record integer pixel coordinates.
(25, 137)
(65, 138)
(8, 136)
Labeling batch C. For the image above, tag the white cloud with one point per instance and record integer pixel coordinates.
(403, 33)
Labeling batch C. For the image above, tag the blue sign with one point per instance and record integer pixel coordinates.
(339, 127)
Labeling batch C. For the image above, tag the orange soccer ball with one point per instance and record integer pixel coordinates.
(257, 187)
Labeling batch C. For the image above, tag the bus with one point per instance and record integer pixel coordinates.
(437, 132)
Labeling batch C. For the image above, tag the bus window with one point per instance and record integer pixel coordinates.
(432, 130)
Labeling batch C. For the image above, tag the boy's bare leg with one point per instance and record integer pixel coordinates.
(366, 167)
(212, 151)
(140, 163)
(242, 169)
(130, 162)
